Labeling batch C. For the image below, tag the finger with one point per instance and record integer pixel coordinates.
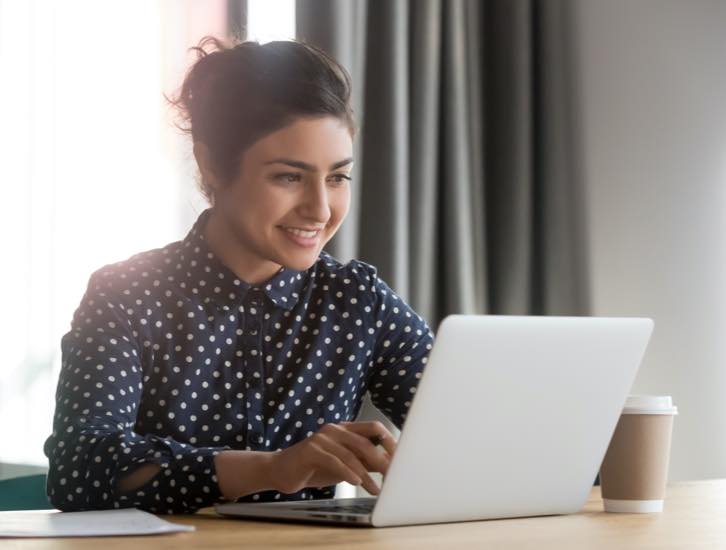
(372, 428)
(370, 485)
(373, 458)
(328, 461)
(351, 461)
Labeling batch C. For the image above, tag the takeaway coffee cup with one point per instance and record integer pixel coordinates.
(634, 472)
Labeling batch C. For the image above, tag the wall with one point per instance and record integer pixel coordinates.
(653, 100)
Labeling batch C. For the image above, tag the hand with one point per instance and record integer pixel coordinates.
(335, 453)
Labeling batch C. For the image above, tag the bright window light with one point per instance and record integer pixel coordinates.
(92, 169)
(269, 20)
(91, 172)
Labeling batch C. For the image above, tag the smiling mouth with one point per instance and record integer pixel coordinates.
(304, 233)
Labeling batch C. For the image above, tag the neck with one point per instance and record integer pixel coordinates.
(239, 258)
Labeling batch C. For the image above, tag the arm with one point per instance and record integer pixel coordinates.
(256, 465)
(403, 341)
(96, 459)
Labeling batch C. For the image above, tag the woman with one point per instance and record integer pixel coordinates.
(230, 365)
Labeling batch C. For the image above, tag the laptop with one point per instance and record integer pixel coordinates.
(511, 418)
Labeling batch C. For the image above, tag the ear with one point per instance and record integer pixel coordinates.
(204, 162)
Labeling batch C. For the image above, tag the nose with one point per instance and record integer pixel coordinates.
(315, 205)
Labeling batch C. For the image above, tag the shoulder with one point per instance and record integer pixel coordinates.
(138, 273)
(353, 277)
(381, 303)
(352, 271)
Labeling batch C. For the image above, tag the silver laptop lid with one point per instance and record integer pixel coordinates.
(512, 417)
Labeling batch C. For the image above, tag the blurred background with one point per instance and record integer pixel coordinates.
(515, 157)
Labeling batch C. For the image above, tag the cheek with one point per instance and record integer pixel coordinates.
(339, 204)
(257, 203)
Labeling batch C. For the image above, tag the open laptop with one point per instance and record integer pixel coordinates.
(511, 418)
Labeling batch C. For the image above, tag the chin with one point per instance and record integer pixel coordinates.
(300, 264)
(300, 261)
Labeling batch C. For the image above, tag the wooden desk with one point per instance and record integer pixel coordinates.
(695, 517)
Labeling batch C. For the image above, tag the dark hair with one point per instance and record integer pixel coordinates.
(236, 93)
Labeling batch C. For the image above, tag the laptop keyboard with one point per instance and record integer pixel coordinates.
(363, 505)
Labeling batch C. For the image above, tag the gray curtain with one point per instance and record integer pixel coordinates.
(467, 192)
(237, 19)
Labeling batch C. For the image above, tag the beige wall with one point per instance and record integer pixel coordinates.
(653, 92)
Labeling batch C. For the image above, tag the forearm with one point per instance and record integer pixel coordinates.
(241, 473)
(138, 477)
(157, 474)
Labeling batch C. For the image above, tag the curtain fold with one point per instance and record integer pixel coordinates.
(424, 129)
(468, 196)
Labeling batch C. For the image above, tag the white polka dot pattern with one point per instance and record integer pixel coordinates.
(171, 359)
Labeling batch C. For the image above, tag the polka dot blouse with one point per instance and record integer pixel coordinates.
(171, 359)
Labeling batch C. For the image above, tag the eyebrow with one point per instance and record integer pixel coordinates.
(309, 167)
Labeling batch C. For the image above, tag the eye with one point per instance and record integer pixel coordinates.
(287, 177)
(340, 178)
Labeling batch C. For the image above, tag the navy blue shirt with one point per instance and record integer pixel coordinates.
(171, 359)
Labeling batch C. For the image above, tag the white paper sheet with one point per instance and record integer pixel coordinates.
(98, 523)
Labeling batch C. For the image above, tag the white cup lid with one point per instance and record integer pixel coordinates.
(649, 404)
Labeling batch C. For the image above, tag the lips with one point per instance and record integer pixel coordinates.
(301, 232)
(305, 237)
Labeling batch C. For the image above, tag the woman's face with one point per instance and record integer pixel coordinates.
(292, 191)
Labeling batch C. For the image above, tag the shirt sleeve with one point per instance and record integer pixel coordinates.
(93, 442)
(402, 343)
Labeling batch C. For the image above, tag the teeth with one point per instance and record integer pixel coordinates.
(301, 232)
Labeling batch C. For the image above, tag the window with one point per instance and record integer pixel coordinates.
(267, 21)
(92, 172)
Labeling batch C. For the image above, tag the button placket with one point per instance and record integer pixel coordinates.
(252, 341)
